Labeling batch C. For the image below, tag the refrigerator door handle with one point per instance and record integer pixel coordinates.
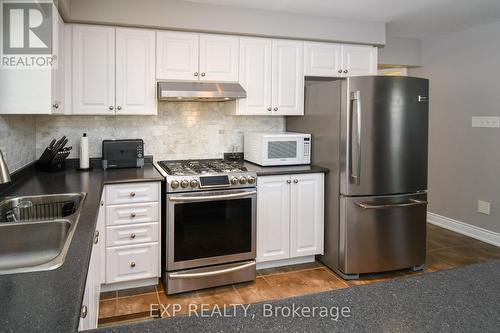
(356, 96)
(413, 202)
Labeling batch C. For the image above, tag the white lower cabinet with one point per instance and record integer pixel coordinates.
(290, 216)
(90, 305)
(132, 249)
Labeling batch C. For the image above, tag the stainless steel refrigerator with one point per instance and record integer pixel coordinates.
(371, 132)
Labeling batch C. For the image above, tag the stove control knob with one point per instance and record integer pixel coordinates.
(251, 180)
(174, 184)
(193, 183)
(234, 180)
(184, 183)
(243, 180)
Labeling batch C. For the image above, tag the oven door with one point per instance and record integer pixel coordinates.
(209, 228)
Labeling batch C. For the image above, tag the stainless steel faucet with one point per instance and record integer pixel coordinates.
(4, 170)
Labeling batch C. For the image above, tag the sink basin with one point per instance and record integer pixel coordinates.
(36, 231)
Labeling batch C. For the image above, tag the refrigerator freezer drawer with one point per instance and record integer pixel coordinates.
(382, 233)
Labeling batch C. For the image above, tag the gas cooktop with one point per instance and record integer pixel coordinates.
(206, 174)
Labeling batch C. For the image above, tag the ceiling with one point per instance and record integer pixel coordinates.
(405, 18)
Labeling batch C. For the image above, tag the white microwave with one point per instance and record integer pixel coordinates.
(286, 148)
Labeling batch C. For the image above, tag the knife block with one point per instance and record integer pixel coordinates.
(51, 161)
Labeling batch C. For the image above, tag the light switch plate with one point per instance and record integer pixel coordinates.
(483, 207)
(489, 122)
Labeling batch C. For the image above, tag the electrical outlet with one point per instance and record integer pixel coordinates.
(489, 122)
(483, 207)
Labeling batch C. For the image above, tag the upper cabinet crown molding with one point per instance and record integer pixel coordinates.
(339, 60)
(191, 56)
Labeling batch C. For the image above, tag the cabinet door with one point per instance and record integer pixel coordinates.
(133, 262)
(58, 66)
(307, 217)
(93, 70)
(273, 218)
(287, 78)
(255, 76)
(359, 60)
(135, 72)
(322, 59)
(90, 306)
(218, 58)
(177, 55)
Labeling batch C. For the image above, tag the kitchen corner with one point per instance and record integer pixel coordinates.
(51, 300)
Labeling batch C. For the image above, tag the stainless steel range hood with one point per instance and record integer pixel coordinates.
(200, 91)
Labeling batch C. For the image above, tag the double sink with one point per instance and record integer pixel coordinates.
(36, 231)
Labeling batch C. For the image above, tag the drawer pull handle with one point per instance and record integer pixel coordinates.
(132, 264)
(132, 214)
(132, 236)
(132, 194)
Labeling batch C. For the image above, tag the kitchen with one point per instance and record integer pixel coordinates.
(201, 104)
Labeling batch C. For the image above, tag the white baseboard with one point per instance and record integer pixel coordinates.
(285, 262)
(464, 228)
(129, 284)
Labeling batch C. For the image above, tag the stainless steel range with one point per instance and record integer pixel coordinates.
(210, 223)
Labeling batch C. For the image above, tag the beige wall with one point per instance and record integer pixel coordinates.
(184, 15)
(464, 162)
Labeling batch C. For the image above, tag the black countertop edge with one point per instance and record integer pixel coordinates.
(50, 301)
(284, 170)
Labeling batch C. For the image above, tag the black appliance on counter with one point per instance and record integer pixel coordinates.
(127, 153)
(53, 158)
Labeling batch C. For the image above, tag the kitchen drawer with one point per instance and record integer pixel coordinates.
(132, 262)
(132, 234)
(131, 193)
(132, 214)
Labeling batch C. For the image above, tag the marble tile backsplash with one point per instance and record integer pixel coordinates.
(17, 140)
(181, 130)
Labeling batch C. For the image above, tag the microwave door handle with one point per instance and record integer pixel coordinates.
(355, 96)
(212, 197)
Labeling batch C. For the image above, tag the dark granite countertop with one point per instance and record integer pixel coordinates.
(50, 301)
(458, 300)
(283, 170)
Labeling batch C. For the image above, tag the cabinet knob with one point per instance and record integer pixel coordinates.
(195, 74)
(275, 109)
(202, 74)
(132, 194)
(118, 108)
(132, 264)
(269, 109)
(55, 106)
(132, 214)
(345, 71)
(85, 311)
(288, 181)
(111, 107)
(340, 71)
(295, 181)
(132, 236)
(102, 203)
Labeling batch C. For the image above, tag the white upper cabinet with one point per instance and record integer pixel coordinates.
(322, 59)
(271, 72)
(218, 58)
(255, 76)
(190, 56)
(93, 70)
(288, 78)
(339, 60)
(135, 71)
(113, 71)
(359, 60)
(177, 55)
(59, 72)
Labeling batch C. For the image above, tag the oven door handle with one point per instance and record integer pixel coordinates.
(211, 273)
(212, 197)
